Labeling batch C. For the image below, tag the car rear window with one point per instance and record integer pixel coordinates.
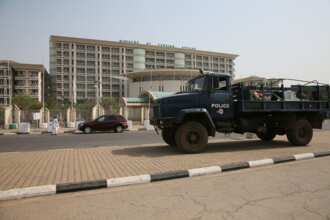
(119, 117)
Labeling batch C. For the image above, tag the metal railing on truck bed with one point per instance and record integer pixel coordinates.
(277, 95)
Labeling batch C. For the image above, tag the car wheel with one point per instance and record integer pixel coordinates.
(119, 129)
(87, 130)
(191, 137)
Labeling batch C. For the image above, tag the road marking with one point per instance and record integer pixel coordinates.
(263, 162)
(169, 175)
(79, 186)
(28, 192)
(204, 171)
(283, 159)
(304, 156)
(124, 181)
(234, 166)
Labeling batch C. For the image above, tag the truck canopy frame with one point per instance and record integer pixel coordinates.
(272, 95)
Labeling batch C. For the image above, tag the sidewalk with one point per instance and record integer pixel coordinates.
(24, 169)
(287, 191)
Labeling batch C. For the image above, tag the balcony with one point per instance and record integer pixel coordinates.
(150, 56)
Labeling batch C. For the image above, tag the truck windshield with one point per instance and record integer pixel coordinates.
(196, 84)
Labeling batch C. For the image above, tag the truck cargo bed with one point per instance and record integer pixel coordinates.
(296, 98)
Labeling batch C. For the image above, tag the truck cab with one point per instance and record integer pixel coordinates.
(206, 102)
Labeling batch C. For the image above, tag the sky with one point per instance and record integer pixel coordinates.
(278, 38)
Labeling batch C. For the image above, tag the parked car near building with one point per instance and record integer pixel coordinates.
(116, 123)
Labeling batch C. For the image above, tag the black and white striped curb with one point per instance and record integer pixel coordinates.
(147, 178)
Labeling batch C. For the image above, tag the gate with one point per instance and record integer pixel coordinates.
(2, 118)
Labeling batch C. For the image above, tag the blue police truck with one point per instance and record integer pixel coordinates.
(266, 107)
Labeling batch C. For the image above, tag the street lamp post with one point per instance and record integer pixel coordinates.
(97, 87)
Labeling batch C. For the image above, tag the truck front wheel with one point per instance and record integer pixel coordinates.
(168, 135)
(191, 137)
(301, 133)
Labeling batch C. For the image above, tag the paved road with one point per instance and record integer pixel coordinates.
(12, 143)
(298, 190)
(46, 142)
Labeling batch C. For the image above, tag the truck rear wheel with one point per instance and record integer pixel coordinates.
(301, 133)
(191, 137)
(267, 135)
(168, 135)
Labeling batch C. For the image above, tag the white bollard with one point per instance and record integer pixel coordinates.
(24, 128)
(147, 126)
(71, 125)
(44, 125)
(129, 125)
(49, 127)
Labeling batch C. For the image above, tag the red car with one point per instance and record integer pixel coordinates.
(116, 123)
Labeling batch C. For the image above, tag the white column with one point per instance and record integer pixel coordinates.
(74, 83)
(126, 112)
(142, 115)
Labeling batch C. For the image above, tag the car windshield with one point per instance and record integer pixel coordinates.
(196, 84)
(100, 119)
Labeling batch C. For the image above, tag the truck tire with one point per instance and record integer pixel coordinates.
(301, 133)
(267, 135)
(168, 135)
(191, 137)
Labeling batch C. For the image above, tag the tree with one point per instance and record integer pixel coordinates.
(85, 104)
(27, 103)
(52, 103)
(110, 104)
(84, 108)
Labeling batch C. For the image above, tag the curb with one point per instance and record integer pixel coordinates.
(148, 178)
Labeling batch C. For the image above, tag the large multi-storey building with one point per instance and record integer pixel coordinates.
(89, 69)
(21, 79)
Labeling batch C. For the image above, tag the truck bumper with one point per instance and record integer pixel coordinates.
(163, 122)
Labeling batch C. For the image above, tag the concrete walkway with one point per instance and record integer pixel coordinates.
(24, 169)
(298, 190)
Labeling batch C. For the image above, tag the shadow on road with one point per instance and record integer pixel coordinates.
(158, 151)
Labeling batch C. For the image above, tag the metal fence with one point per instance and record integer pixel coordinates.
(2, 118)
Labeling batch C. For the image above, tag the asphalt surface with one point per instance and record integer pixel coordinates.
(10, 143)
(297, 190)
(13, 143)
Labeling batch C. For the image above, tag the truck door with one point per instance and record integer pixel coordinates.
(220, 101)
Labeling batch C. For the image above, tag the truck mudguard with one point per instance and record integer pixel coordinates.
(196, 111)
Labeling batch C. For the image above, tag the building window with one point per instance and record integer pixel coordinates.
(81, 47)
(115, 50)
(106, 49)
(90, 48)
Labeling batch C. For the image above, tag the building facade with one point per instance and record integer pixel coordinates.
(89, 69)
(21, 79)
(159, 80)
